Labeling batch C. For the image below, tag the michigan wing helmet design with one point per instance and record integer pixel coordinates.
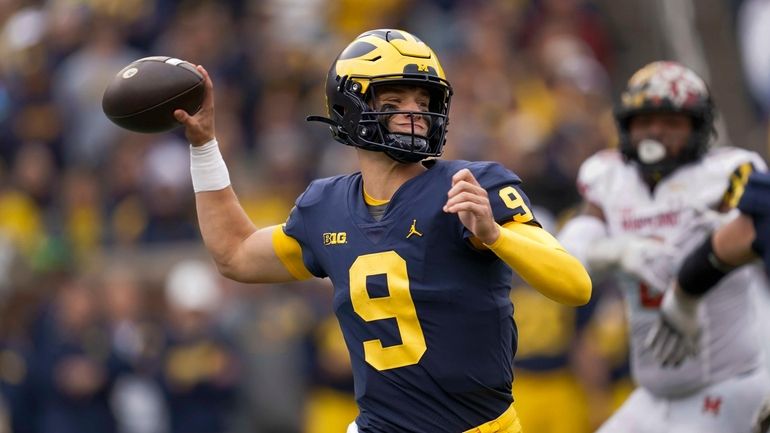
(666, 86)
(373, 59)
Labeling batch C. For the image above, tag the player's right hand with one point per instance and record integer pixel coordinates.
(674, 337)
(470, 201)
(199, 129)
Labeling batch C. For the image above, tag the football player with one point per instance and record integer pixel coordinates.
(647, 205)
(732, 245)
(420, 250)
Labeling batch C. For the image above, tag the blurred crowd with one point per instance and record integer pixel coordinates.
(111, 318)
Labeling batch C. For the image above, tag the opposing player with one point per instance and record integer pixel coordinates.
(420, 252)
(732, 245)
(647, 205)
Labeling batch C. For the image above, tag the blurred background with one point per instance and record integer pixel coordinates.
(111, 316)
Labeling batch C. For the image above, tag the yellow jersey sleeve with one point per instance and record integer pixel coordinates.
(543, 263)
(289, 252)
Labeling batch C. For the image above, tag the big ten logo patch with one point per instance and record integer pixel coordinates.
(335, 238)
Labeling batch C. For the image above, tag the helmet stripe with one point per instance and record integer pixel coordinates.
(357, 49)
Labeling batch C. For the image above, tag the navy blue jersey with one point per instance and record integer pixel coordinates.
(756, 203)
(426, 317)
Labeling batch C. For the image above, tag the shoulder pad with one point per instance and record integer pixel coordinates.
(317, 189)
(488, 173)
(728, 158)
(595, 169)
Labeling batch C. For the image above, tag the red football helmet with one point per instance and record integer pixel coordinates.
(667, 86)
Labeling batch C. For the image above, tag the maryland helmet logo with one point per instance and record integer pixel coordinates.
(665, 84)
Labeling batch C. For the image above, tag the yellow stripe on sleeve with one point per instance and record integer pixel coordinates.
(290, 253)
(738, 180)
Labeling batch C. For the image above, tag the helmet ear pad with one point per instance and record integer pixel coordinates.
(344, 108)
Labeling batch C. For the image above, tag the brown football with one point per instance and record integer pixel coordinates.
(143, 96)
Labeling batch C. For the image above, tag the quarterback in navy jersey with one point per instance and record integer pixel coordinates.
(449, 340)
(420, 251)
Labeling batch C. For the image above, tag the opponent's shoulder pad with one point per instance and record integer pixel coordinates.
(726, 159)
(321, 188)
(596, 168)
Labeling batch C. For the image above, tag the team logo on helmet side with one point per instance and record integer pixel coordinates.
(666, 85)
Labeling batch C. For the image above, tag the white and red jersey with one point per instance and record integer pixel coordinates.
(729, 337)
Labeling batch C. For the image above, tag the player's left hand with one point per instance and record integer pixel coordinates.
(674, 337)
(648, 259)
(470, 202)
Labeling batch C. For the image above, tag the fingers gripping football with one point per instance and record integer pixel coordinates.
(470, 201)
(199, 129)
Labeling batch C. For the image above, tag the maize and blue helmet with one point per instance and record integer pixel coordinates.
(374, 59)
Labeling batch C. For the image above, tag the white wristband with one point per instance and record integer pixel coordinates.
(207, 168)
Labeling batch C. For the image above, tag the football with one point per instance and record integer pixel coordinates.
(142, 97)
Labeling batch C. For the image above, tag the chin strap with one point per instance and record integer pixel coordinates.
(338, 133)
(322, 119)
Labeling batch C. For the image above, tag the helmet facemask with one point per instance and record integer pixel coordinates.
(366, 127)
(404, 146)
(644, 153)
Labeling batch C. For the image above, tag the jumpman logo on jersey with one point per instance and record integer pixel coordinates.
(413, 230)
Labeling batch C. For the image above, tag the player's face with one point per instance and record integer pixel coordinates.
(672, 130)
(403, 98)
